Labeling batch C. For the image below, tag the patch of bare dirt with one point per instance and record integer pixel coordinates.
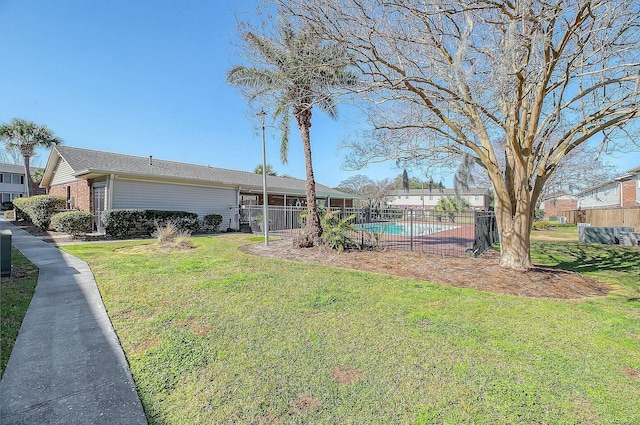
(347, 375)
(303, 404)
(154, 248)
(19, 272)
(145, 345)
(632, 373)
(268, 419)
(483, 273)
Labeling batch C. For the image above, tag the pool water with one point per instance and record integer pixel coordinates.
(403, 229)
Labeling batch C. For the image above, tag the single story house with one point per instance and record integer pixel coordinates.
(621, 192)
(559, 202)
(95, 181)
(478, 199)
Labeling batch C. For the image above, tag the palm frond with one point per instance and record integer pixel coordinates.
(268, 49)
(283, 111)
(328, 106)
(243, 76)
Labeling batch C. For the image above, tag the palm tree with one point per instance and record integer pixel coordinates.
(295, 73)
(451, 205)
(270, 170)
(25, 136)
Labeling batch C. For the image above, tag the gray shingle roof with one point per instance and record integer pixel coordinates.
(16, 169)
(11, 168)
(86, 161)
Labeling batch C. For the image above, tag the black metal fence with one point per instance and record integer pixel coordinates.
(460, 233)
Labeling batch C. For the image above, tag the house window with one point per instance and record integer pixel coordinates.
(6, 197)
(477, 197)
(406, 197)
(431, 197)
(11, 178)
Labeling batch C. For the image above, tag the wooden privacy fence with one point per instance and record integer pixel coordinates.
(627, 217)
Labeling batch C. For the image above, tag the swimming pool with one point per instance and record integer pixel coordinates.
(404, 229)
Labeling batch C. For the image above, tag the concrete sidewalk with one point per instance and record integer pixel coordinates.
(67, 366)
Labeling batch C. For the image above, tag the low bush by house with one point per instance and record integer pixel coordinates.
(545, 225)
(39, 209)
(73, 222)
(126, 223)
(213, 221)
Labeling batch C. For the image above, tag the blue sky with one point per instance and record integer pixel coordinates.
(147, 77)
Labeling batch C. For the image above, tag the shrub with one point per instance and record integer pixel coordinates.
(135, 222)
(553, 218)
(165, 234)
(169, 234)
(213, 221)
(542, 225)
(337, 232)
(39, 208)
(538, 215)
(73, 222)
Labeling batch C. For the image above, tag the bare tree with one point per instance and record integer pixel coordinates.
(579, 170)
(356, 184)
(375, 190)
(516, 85)
(10, 156)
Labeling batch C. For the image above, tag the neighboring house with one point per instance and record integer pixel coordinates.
(561, 202)
(478, 199)
(12, 182)
(95, 181)
(620, 192)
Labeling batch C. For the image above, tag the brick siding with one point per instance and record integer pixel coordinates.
(80, 192)
(552, 206)
(629, 193)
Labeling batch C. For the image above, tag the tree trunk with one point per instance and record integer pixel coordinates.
(311, 234)
(515, 232)
(27, 172)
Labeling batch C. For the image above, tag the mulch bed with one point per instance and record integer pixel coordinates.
(483, 273)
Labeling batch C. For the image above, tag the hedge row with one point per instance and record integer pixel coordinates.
(38, 209)
(135, 223)
(73, 222)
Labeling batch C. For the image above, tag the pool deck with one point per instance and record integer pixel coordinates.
(456, 242)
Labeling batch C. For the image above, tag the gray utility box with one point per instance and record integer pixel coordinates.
(5, 253)
(603, 235)
(630, 239)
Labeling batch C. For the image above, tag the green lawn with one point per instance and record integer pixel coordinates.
(561, 233)
(15, 296)
(217, 336)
